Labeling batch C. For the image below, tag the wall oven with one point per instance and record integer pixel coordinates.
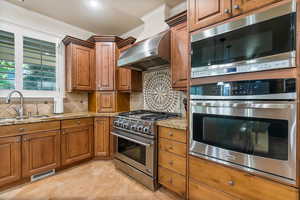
(262, 41)
(249, 125)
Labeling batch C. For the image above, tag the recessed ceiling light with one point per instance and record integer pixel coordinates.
(21, 0)
(94, 3)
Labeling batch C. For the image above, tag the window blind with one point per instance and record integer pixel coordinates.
(39, 65)
(7, 60)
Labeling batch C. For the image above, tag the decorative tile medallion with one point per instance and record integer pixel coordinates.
(158, 92)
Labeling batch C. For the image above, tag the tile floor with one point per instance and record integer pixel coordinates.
(95, 180)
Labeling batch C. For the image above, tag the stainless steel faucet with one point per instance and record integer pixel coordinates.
(20, 112)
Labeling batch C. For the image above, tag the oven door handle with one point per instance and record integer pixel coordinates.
(242, 105)
(131, 139)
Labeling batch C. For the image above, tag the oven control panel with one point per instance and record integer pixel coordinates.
(138, 126)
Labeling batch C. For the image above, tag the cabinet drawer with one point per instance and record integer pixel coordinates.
(172, 181)
(198, 191)
(73, 123)
(172, 147)
(239, 184)
(172, 162)
(29, 128)
(172, 134)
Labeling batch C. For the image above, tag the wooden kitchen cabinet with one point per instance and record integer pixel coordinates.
(109, 102)
(179, 50)
(10, 160)
(203, 13)
(241, 185)
(76, 141)
(242, 6)
(80, 65)
(102, 137)
(129, 80)
(40, 152)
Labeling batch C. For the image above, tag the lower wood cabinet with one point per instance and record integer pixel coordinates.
(40, 152)
(198, 191)
(76, 144)
(10, 160)
(236, 183)
(172, 181)
(102, 137)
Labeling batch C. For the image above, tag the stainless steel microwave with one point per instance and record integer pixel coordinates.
(250, 125)
(262, 41)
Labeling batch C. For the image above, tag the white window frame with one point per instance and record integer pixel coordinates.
(20, 32)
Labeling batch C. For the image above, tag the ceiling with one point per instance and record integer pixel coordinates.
(112, 17)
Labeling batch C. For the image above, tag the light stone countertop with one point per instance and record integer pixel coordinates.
(177, 123)
(55, 117)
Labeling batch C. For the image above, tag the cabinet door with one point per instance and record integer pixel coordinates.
(106, 102)
(105, 65)
(124, 79)
(76, 144)
(10, 160)
(84, 72)
(242, 6)
(203, 13)
(41, 152)
(179, 55)
(101, 136)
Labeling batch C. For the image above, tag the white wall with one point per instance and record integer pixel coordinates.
(154, 22)
(10, 13)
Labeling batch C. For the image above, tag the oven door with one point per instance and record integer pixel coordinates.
(259, 137)
(136, 151)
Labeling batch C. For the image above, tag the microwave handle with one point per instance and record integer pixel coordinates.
(131, 139)
(242, 105)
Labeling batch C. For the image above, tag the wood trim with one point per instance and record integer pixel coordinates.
(69, 39)
(270, 74)
(125, 42)
(104, 38)
(177, 19)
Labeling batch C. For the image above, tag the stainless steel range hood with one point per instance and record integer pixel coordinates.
(152, 52)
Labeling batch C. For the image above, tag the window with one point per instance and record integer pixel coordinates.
(31, 62)
(7, 61)
(39, 63)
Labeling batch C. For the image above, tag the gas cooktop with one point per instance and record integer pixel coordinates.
(148, 115)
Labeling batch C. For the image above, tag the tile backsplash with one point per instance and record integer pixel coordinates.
(73, 102)
(158, 94)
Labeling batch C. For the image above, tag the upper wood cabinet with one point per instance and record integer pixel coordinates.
(80, 65)
(242, 6)
(40, 152)
(203, 13)
(10, 160)
(102, 137)
(76, 142)
(179, 50)
(129, 80)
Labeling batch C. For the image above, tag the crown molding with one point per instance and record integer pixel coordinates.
(69, 39)
(177, 19)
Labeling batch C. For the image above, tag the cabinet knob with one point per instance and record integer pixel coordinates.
(227, 11)
(171, 181)
(231, 183)
(171, 163)
(236, 6)
(78, 122)
(170, 134)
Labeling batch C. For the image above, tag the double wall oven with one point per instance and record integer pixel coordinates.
(262, 41)
(247, 124)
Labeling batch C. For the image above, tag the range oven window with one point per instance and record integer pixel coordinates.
(267, 38)
(254, 136)
(132, 150)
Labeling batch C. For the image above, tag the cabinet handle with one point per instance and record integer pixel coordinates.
(227, 11)
(236, 6)
(171, 181)
(231, 183)
(21, 129)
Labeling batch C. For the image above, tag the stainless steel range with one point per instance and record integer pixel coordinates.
(136, 146)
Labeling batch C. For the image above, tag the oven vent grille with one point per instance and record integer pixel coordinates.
(42, 175)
